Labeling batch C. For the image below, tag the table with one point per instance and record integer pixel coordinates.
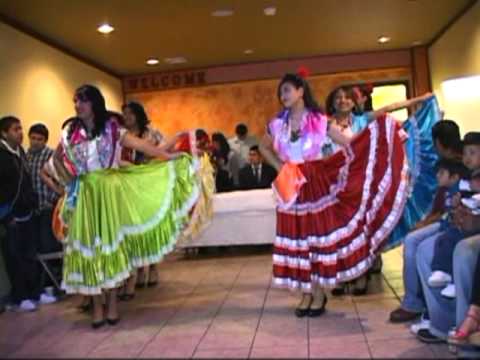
(239, 218)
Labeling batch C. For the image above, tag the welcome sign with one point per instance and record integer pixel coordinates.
(163, 81)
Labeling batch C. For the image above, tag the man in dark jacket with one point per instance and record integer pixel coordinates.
(17, 203)
(257, 174)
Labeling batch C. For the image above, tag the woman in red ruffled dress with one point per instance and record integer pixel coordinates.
(334, 213)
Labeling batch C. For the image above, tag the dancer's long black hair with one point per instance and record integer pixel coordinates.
(101, 114)
(365, 90)
(140, 116)
(299, 82)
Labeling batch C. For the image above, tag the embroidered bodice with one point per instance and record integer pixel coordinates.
(308, 144)
(83, 155)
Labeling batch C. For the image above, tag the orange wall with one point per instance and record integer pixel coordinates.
(221, 107)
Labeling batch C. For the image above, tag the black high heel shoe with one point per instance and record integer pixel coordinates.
(303, 312)
(319, 311)
(126, 297)
(340, 290)
(98, 324)
(152, 283)
(362, 289)
(113, 322)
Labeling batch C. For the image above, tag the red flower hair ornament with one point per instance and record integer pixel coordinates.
(303, 72)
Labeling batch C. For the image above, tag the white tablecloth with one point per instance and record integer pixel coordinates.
(239, 218)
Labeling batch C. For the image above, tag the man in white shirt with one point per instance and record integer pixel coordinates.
(241, 143)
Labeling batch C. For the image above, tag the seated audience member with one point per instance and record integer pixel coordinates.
(38, 154)
(257, 174)
(448, 143)
(446, 313)
(469, 330)
(17, 205)
(447, 140)
(445, 244)
(449, 173)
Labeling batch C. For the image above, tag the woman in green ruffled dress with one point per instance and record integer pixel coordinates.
(117, 219)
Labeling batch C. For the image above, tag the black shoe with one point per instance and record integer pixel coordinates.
(140, 285)
(152, 283)
(126, 297)
(98, 324)
(426, 336)
(363, 288)
(113, 322)
(300, 313)
(319, 311)
(400, 315)
(339, 291)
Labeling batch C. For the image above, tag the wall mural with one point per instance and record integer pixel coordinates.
(221, 107)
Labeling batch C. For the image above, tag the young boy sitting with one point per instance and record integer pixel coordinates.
(445, 245)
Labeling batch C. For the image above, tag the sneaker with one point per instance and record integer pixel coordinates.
(47, 299)
(423, 324)
(439, 279)
(27, 305)
(401, 315)
(426, 336)
(11, 306)
(449, 291)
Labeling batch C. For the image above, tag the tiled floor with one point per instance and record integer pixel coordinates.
(222, 306)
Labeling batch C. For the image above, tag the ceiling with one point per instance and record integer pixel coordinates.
(170, 28)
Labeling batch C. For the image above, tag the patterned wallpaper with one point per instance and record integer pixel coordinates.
(221, 107)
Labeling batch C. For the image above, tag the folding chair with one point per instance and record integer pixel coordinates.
(43, 259)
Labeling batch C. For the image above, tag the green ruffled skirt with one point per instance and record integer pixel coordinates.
(124, 219)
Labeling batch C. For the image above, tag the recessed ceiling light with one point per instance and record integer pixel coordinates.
(152, 61)
(417, 43)
(105, 28)
(175, 60)
(383, 39)
(248, 51)
(222, 13)
(270, 11)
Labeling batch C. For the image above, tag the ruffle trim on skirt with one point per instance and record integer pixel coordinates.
(89, 269)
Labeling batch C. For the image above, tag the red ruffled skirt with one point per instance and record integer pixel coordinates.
(344, 212)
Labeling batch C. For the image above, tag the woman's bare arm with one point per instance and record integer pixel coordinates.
(399, 105)
(135, 143)
(268, 153)
(337, 135)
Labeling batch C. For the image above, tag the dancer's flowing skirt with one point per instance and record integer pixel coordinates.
(124, 219)
(422, 157)
(344, 211)
(202, 214)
